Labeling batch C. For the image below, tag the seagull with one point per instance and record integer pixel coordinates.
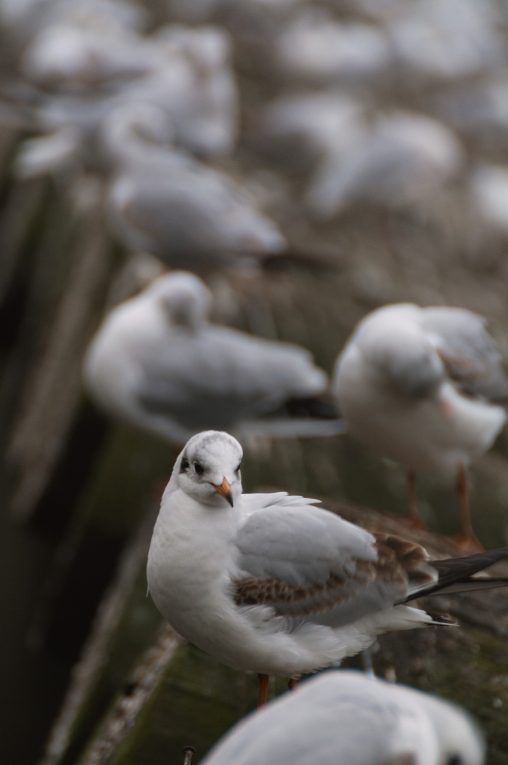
(299, 131)
(272, 584)
(183, 73)
(401, 160)
(442, 43)
(188, 214)
(423, 386)
(315, 49)
(159, 363)
(347, 717)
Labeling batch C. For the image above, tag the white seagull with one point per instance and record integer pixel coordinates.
(348, 718)
(164, 202)
(269, 583)
(159, 363)
(401, 160)
(423, 386)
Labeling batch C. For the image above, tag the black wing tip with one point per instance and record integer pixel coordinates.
(489, 557)
(461, 571)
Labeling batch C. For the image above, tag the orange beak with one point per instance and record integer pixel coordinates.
(224, 489)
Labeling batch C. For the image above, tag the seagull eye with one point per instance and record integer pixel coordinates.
(198, 467)
(237, 469)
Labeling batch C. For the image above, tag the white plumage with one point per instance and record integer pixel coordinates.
(159, 363)
(271, 584)
(422, 386)
(348, 718)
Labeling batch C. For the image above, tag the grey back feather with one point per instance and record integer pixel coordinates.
(469, 353)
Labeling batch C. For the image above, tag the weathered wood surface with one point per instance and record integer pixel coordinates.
(123, 628)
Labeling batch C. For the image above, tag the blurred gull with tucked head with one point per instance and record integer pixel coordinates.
(347, 718)
(424, 386)
(159, 363)
(402, 160)
(184, 212)
(300, 131)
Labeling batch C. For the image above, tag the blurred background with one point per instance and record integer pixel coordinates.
(309, 161)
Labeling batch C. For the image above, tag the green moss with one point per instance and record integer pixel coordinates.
(195, 702)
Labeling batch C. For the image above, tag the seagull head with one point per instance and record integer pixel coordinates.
(209, 469)
(184, 298)
(459, 738)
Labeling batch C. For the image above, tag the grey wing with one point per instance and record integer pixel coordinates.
(217, 377)
(468, 352)
(195, 382)
(179, 219)
(308, 563)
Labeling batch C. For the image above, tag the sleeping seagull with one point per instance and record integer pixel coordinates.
(402, 160)
(346, 717)
(269, 583)
(159, 363)
(176, 208)
(423, 386)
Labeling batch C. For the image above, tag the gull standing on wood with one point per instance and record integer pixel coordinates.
(423, 386)
(159, 363)
(346, 718)
(269, 583)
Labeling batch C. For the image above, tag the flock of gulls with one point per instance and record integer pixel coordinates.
(148, 113)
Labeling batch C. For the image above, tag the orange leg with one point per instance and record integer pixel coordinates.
(467, 539)
(263, 689)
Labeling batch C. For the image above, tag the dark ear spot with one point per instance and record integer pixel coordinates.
(184, 464)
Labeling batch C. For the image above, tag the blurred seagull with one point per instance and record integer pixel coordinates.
(402, 160)
(346, 718)
(195, 86)
(184, 73)
(269, 583)
(189, 215)
(301, 130)
(71, 57)
(424, 387)
(314, 48)
(488, 191)
(158, 363)
(436, 43)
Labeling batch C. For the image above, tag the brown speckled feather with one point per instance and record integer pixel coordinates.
(399, 568)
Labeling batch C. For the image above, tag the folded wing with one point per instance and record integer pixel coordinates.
(309, 564)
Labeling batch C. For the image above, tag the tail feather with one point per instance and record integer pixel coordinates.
(458, 574)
